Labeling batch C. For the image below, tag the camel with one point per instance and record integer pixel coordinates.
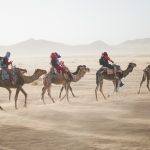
(22, 79)
(82, 73)
(18, 70)
(60, 79)
(101, 74)
(22, 71)
(146, 75)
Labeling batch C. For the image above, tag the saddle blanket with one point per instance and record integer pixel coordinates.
(5, 76)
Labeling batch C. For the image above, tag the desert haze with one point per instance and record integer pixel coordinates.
(119, 123)
(39, 47)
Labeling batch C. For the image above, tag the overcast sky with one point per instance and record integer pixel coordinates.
(74, 21)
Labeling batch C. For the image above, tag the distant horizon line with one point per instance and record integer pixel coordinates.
(38, 39)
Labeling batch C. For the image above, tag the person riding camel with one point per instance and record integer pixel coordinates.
(59, 66)
(104, 61)
(6, 64)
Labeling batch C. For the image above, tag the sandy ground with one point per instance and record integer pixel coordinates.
(121, 122)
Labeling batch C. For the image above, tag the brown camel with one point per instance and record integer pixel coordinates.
(59, 79)
(146, 75)
(82, 73)
(101, 74)
(22, 79)
(22, 71)
(18, 71)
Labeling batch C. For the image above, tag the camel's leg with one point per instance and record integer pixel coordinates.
(25, 94)
(49, 94)
(16, 97)
(96, 89)
(143, 79)
(63, 97)
(64, 86)
(67, 85)
(97, 83)
(9, 90)
(65, 94)
(148, 84)
(115, 82)
(71, 91)
(98, 78)
(67, 91)
(61, 91)
(101, 90)
(43, 92)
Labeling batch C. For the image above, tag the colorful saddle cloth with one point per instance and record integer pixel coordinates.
(5, 76)
(111, 71)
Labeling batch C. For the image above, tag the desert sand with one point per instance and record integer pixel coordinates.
(121, 122)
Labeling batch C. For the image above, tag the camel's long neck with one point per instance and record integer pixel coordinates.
(78, 76)
(127, 71)
(30, 79)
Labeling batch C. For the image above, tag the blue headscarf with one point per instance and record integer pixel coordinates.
(58, 56)
(7, 54)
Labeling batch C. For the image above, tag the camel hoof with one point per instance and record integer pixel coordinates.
(25, 106)
(1, 108)
(108, 95)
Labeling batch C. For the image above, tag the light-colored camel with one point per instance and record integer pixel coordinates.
(22, 79)
(60, 79)
(82, 73)
(146, 75)
(101, 74)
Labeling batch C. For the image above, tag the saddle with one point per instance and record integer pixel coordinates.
(5, 76)
(111, 71)
(53, 73)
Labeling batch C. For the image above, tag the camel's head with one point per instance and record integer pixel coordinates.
(131, 66)
(82, 69)
(40, 72)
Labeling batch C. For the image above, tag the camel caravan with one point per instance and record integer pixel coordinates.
(60, 74)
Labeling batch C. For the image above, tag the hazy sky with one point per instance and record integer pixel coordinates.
(74, 21)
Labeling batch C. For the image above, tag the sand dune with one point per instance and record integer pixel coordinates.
(119, 123)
